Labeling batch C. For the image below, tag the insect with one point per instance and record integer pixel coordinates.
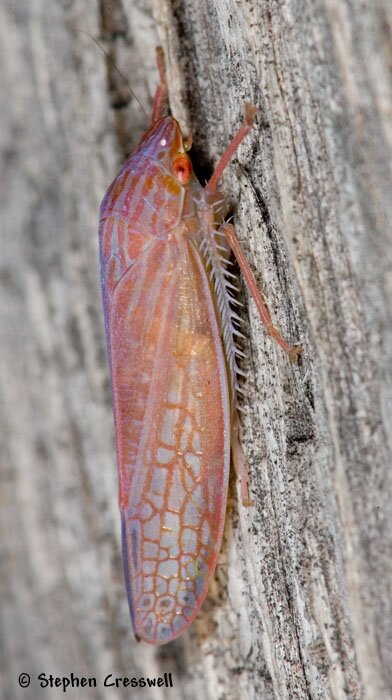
(168, 298)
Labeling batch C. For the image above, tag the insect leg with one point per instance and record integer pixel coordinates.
(161, 94)
(242, 132)
(292, 350)
(239, 461)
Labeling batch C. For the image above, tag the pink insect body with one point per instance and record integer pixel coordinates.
(167, 296)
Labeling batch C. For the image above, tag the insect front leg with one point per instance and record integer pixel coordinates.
(161, 97)
(242, 132)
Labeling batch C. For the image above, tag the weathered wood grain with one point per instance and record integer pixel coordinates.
(301, 603)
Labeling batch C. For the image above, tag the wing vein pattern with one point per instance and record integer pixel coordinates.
(171, 405)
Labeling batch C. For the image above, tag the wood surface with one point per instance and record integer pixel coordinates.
(301, 602)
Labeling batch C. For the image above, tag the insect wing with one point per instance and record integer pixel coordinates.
(171, 408)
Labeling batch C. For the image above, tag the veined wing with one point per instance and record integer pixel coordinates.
(172, 421)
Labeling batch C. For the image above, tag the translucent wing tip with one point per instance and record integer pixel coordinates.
(126, 569)
(162, 607)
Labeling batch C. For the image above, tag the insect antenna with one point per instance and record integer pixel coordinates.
(116, 68)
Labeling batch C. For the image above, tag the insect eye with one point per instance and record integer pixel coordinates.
(182, 168)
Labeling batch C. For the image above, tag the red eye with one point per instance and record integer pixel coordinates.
(182, 168)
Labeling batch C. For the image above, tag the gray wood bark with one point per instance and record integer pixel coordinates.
(300, 606)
